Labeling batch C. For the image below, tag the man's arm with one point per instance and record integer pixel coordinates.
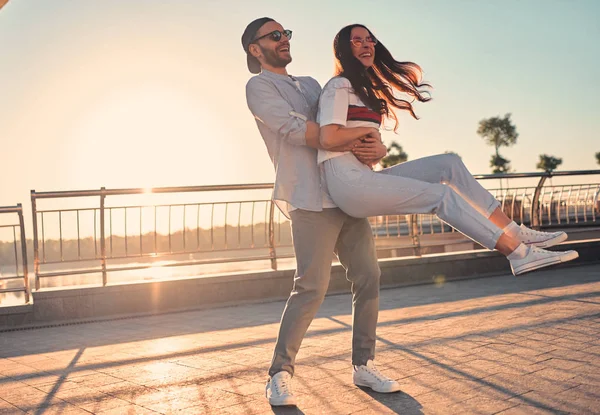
(268, 107)
(334, 135)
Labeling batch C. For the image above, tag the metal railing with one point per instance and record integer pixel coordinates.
(18, 243)
(184, 238)
(116, 236)
(538, 206)
(531, 205)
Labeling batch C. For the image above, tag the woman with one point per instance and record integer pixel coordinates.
(353, 104)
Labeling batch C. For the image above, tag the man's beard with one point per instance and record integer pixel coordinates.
(273, 59)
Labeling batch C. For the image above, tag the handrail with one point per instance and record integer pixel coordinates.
(524, 204)
(135, 191)
(535, 211)
(536, 174)
(18, 209)
(262, 186)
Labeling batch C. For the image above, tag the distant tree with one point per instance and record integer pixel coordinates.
(548, 163)
(498, 132)
(396, 155)
(598, 157)
(499, 164)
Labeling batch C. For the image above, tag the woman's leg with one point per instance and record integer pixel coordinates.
(449, 169)
(507, 244)
(361, 193)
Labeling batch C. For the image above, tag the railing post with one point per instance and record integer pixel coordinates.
(413, 230)
(596, 206)
(36, 251)
(272, 252)
(24, 252)
(102, 237)
(536, 220)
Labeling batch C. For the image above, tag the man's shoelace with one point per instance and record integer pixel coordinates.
(377, 374)
(282, 385)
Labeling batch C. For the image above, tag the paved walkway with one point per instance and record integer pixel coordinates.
(495, 345)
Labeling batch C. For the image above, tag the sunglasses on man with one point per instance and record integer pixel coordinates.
(275, 35)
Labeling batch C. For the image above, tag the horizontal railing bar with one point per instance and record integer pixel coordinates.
(258, 186)
(159, 255)
(10, 209)
(153, 206)
(66, 273)
(189, 263)
(546, 188)
(138, 267)
(133, 191)
(9, 226)
(458, 241)
(66, 210)
(15, 277)
(12, 290)
(198, 204)
(167, 254)
(536, 174)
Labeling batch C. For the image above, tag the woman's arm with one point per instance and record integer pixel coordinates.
(333, 111)
(313, 139)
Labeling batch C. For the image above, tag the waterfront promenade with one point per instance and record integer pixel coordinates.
(481, 346)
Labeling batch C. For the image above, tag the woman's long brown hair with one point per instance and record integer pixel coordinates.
(375, 85)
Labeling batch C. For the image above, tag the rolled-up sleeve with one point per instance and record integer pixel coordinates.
(269, 108)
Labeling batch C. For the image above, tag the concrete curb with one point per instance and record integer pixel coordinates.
(79, 305)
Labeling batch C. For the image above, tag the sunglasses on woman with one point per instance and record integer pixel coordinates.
(358, 41)
(275, 35)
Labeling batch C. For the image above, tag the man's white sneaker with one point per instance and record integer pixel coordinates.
(540, 239)
(369, 376)
(279, 389)
(537, 258)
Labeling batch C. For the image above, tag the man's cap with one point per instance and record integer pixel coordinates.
(248, 37)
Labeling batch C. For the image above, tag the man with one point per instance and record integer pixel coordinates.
(285, 109)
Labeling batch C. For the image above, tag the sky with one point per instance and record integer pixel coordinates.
(152, 93)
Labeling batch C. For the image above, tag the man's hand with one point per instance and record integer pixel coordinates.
(347, 147)
(370, 151)
(375, 134)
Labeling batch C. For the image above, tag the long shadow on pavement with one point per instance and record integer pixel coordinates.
(165, 325)
(399, 402)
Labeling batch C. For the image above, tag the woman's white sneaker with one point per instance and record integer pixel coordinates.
(540, 239)
(279, 389)
(368, 376)
(537, 258)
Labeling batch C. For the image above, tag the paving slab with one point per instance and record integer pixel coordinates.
(501, 345)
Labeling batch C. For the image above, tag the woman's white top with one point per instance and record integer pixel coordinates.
(339, 105)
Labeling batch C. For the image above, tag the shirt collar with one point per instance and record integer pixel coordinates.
(274, 75)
